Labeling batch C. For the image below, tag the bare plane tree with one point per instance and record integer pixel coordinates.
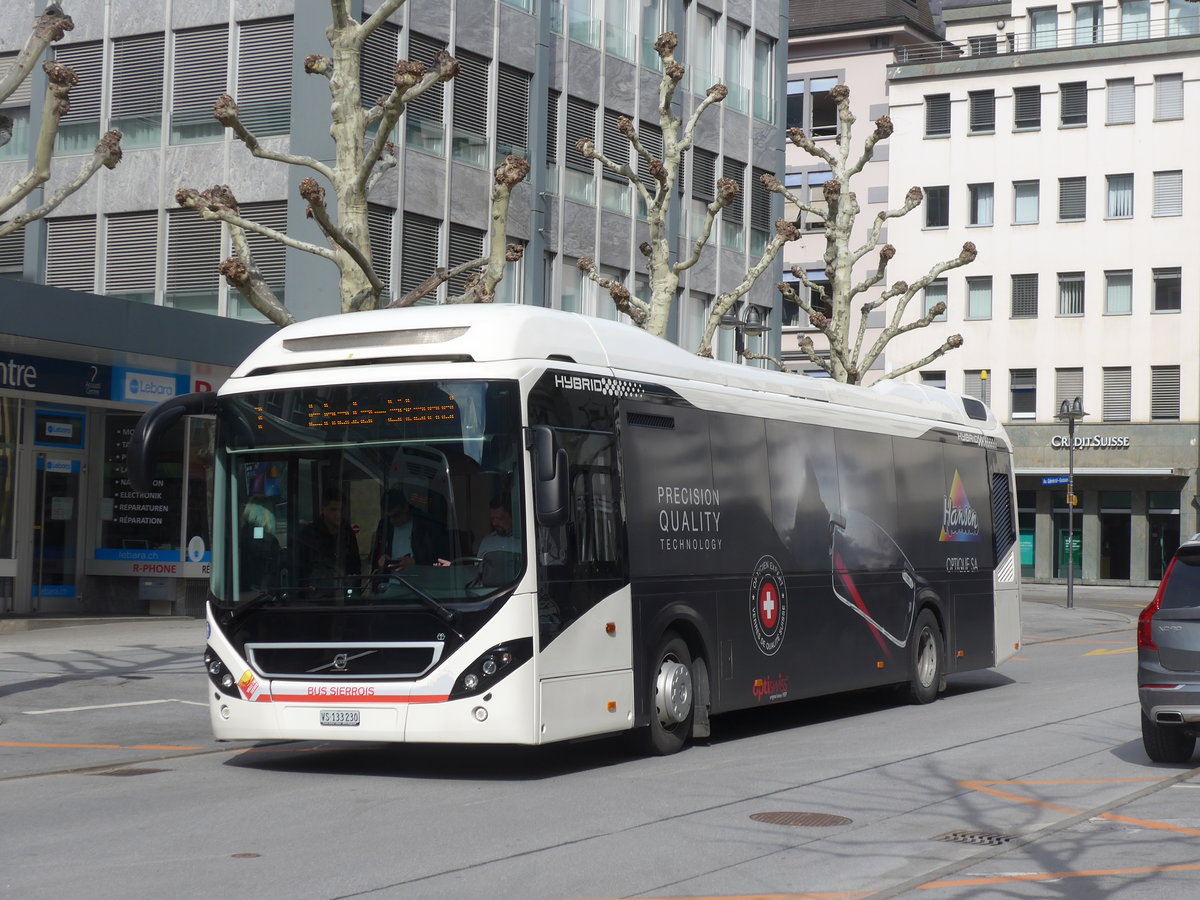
(49, 27)
(651, 313)
(848, 358)
(360, 159)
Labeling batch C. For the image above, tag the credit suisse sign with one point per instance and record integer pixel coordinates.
(1090, 442)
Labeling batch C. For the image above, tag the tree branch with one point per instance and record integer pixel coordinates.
(106, 155)
(623, 300)
(951, 343)
(219, 204)
(49, 27)
(314, 194)
(242, 273)
(482, 289)
(226, 111)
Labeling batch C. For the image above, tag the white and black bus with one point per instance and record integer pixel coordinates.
(513, 525)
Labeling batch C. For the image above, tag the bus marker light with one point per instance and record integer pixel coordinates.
(480, 714)
(961, 653)
(224, 712)
(612, 705)
(610, 628)
(879, 664)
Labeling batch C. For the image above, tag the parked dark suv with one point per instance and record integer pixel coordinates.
(1168, 637)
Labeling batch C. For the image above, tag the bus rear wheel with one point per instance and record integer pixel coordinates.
(672, 697)
(925, 659)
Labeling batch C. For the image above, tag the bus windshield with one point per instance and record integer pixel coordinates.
(370, 495)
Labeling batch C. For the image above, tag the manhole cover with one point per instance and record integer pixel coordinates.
(801, 819)
(983, 838)
(130, 772)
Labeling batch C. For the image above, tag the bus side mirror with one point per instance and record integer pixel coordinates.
(549, 476)
(142, 455)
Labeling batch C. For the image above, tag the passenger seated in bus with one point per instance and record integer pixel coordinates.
(260, 552)
(328, 547)
(406, 536)
(501, 536)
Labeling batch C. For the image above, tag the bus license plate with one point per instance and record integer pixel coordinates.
(339, 717)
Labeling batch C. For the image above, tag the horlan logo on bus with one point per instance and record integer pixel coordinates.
(768, 605)
(960, 522)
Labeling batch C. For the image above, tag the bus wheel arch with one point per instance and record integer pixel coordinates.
(672, 697)
(926, 657)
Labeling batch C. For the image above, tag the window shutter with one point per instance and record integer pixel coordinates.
(269, 255)
(1121, 109)
(427, 107)
(1168, 193)
(1164, 392)
(616, 145)
(983, 111)
(131, 252)
(23, 93)
(379, 223)
(736, 172)
(704, 175)
(465, 244)
(1072, 199)
(651, 137)
(1073, 103)
(1024, 296)
(193, 253)
(137, 81)
(1117, 393)
(12, 252)
(760, 202)
(1068, 384)
(581, 123)
(200, 76)
(552, 101)
(1024, 392)
(264, 75)
(71, 253)
(88, 62)
(512, 110)
(1168, 96)
(937, 115)
(377, 64)
(418, 253)
(471, 93)
(1027, 107)
(975, 385)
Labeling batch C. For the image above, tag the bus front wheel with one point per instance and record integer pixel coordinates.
(925, 659)
(672, 697)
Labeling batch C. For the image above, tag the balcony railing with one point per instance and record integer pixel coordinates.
(1065, 38)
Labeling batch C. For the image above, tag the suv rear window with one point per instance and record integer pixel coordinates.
(1183, 586)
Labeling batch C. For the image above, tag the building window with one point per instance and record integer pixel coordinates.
(463, 244)
(1118, 292)
(935, 293)
(583, 22)
(982, 198)
(811, 108)
(1043, 27)
(79, 129)
(1135, 20)
(16, 107)
(1168, 290)
(130, 256)
(937, 115)
(1089, 23)
(614, 187)
(937, 207)
(1168, 193)
(512, 113)
(424, 117)
(733, 216)
(976, 384)
(760, 212)
(469, 128)
(197, 82)
(1023, 389)
(1070, 293)
(1027, 108)
(983, 112)
(193, 254)
(1072, 100)
(1183, 17)
(377, 64)
(981, 45)
(71, 253)
(12, 255)
(137, 90)
(1068, 384)
(1121, 103)
(619, 27)
(1168, 95)
(1120, 197)
(1164, 393)
(381, 221)
(271, 256)
(1025, 296)
(1025, 202)
(1072, 199)
(1162, 526)
(738, 98)
(580, 178)
(703, 52)
(1117, 394)
(264, 76)
(979, 297)
(763, 89)
(419, 253)
(704, 190)
(809, 188)
(934, 379)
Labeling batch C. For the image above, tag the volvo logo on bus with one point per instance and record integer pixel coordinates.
(768, 605)
(340, 662)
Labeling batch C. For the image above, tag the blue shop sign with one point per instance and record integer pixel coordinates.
(145, 386)
(42, 375)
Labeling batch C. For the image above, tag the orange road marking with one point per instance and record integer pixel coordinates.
(1050, 876)
(1103, 652)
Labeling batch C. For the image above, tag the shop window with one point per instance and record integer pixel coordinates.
(1027, 526)
(1068, 535)
(137, 526)
(1115, 535)
(1162, 517)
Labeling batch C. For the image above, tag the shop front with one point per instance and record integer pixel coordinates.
(1135, 499)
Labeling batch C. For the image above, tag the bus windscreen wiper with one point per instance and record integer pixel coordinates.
(447, 615)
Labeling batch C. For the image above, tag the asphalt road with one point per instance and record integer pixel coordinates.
(1024, 781)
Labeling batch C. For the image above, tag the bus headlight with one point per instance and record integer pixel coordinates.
(491, 666)
(219, 675)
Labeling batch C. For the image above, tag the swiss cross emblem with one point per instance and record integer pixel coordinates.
(768, 605)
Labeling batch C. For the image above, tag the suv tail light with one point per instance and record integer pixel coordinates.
(1145, 640)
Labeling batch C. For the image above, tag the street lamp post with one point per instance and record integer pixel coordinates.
(1071, 411)
(754, 324)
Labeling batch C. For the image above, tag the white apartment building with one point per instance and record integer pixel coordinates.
(1060, 138)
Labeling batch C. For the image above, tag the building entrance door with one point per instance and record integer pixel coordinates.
(57, 528)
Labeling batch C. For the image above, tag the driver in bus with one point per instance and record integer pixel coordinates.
(501, 536)
(329, 547)
(407, 537)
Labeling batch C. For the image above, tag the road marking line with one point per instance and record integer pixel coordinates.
(43, 712)
(1053, 876)
(33, 744)
(1103, 652)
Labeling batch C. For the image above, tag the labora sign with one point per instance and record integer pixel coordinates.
(148, 387)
